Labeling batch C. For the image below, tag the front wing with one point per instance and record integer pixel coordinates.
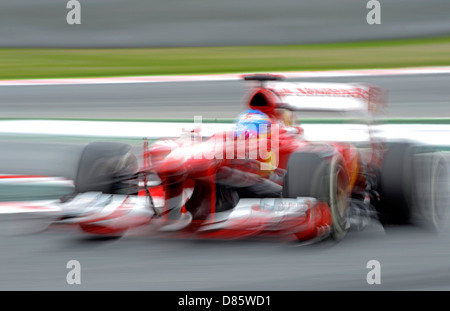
(107, 214)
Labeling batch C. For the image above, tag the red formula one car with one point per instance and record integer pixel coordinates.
(262, 177)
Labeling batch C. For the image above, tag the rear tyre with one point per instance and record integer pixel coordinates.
(413, 187)
(396, 185)
(432, 191)
(309, 175)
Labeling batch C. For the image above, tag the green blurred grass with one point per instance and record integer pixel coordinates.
(20, 63)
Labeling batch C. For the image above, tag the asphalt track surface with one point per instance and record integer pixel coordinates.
(152, 23)
(411, 259)
(417, 96)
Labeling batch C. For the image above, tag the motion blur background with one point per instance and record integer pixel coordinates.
(144, 38)
(152, 23)
(137, 37)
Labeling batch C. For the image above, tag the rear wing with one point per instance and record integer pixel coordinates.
(329, 97)
(362, 99)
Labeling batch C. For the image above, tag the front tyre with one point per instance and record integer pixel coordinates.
(309, 175)
(104, 167)
(108, 168)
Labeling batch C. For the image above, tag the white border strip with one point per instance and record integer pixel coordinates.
(31, 179)
(228, 77)
(434, 134)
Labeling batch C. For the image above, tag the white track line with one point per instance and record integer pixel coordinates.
(34, 179)
(434, 134)
(229, 77)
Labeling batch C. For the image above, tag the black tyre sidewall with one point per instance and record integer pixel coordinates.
(309, 175)
(396, 184)
(99, 163)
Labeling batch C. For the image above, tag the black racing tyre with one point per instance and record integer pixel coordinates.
(104, 167)
(309, 175)
(413, 186)
(432, 191)
(396, 184)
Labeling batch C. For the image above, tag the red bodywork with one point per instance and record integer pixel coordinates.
(180, 164)
(228, 187)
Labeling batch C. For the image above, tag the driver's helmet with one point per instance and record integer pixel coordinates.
(253, 124)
